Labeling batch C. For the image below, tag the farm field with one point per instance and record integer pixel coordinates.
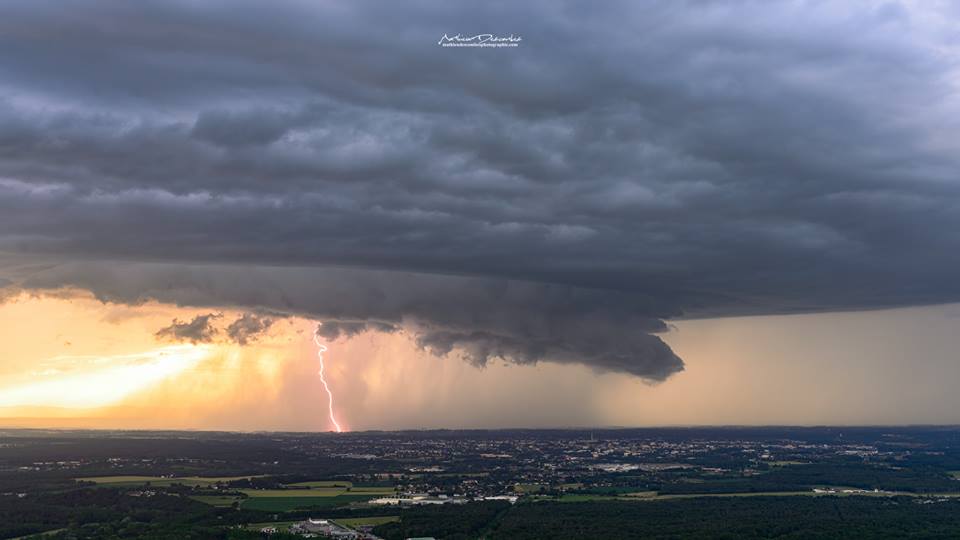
(283, 504)
(216, 500)
(360, 490)
(317, 492)
(270, 493)
(160, 481)
(323, 484)
(372, 520)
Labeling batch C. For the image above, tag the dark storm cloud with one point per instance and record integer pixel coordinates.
(198, 330)
(232, 129)
(477, 318)
(706, 158)
(247, 327)
(638, 354)
(333, 330)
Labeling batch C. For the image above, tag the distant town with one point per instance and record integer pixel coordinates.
(464, 484)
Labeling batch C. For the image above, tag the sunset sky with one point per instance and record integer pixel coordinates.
(643, 214)
(100, 365)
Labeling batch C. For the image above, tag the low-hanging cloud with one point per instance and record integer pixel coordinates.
(479, 319)
(333, 330)
(248, 327)
(243, 330)
(200, 329)
(635, 353)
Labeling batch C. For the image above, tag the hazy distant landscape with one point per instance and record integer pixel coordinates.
(507, 484)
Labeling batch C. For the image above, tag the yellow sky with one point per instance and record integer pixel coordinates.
(69, 360)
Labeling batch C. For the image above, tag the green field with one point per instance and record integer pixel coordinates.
(269, 493)
(216, 500)
(372, 520)
(578, 497)
(784, 463)
(120, 481)
(45, 533)
(640, 494)
(321, 495)
(283, 504)
(323, 484)
(318, 492)
(372, 490)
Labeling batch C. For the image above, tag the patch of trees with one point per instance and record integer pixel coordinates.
(797, 517)
(450, 522)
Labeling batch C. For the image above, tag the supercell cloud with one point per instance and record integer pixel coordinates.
(477, 318)
(556, 201)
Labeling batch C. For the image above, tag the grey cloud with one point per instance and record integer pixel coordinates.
(334, 330)
(635, 353)
(248, 327)
(692, 154)
(697, 158)
(198, 330)
(247, 127)
(477, 318)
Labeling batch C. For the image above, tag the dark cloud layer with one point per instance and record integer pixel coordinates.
(688, 157)
(477, 318)
(333, 330)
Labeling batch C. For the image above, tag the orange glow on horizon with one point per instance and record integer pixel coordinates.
(102, 380)
(69, 360)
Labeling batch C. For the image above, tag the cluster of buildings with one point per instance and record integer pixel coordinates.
(419, 499)
(423, 499)
(323, 528)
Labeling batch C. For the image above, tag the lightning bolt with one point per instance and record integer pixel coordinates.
(321, 348)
